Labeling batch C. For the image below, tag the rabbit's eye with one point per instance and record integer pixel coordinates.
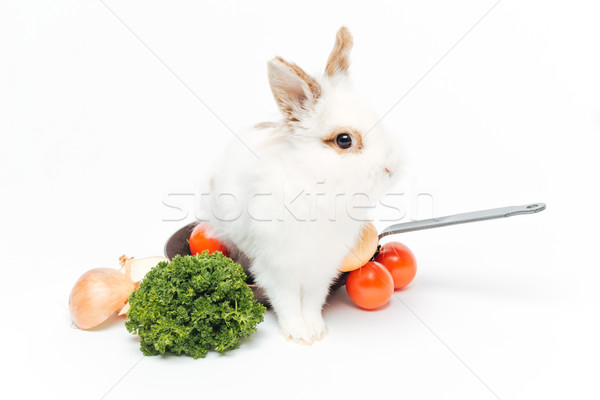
(343, 140)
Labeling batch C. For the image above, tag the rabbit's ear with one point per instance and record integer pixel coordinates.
(339, 59)
(294, 90)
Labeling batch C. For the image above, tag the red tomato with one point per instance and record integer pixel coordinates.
(400, 261)
(370, 286)
(200, 241)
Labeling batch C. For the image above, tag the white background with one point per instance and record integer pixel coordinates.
(96, 132)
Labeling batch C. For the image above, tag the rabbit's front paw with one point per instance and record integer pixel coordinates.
(316, 326)
(296, 330)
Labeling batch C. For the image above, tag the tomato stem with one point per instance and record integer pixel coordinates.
(376, 253)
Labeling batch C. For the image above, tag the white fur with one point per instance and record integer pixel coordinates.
(295, 248)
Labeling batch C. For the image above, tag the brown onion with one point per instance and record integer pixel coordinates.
(97, 295)
(363, 250)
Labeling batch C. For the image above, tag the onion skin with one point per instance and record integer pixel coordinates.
(124, 309)
(137, 268)
(363, 250)
(97, 295)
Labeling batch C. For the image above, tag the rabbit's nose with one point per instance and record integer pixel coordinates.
(388, 170)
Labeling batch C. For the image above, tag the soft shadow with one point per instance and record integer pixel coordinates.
(338, 299)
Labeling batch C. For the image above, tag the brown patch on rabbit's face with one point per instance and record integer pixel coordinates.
(339, 59)
(356, 140)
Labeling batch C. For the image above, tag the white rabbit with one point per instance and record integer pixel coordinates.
(294, 205)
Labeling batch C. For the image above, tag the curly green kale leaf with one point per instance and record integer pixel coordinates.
(193, 304)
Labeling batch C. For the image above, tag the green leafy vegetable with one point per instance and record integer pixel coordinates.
(192, 305)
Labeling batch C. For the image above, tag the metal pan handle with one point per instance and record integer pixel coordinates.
(462, 218)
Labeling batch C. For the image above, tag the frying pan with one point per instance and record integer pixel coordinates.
(178, 242)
